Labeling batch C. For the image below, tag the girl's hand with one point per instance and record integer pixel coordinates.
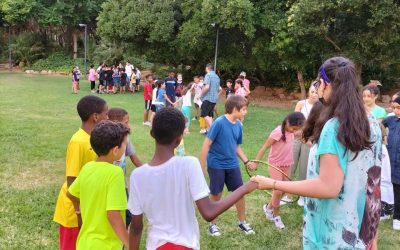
(263, 182)
(252, 165)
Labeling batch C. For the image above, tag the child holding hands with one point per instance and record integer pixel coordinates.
(281, 155)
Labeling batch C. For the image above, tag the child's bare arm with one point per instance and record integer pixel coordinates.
(135, 160)
(326, 186)
(210, 210)
(76, 203)
(135, 232)
(118, 225)
(167, 98)
(244, 158)
(203, 153)
(264, 147)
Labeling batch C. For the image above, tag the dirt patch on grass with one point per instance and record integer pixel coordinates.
(36, 175)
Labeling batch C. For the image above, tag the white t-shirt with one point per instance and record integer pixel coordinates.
(165, 195)
(129, 69)
(187, 99)
(154, 96)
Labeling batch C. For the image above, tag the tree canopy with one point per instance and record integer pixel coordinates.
(276, 42)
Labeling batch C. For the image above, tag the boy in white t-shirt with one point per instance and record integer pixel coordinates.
(164, 191)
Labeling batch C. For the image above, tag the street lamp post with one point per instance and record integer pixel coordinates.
(9, 46)
(216, 46)
(85, 25)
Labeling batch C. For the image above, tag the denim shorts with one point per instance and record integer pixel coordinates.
(218, 177)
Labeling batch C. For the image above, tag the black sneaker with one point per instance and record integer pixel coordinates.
(246, 228)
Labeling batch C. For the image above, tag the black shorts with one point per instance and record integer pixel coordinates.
(147, 104)
(218, 177)
(110, 83)
(207, 109)
(101, 82)
(153, 108)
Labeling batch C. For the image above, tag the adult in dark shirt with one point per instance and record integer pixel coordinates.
(109, 79)
(170, 86)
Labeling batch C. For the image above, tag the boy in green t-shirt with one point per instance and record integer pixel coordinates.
(100, 190)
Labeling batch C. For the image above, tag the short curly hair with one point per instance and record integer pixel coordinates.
(168, 124)
(106, 135)
(89, 105)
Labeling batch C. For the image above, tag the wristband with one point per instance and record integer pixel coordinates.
(245, 162)
(273, 185)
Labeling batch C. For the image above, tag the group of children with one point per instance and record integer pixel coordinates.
(86, 194)
(112, 79)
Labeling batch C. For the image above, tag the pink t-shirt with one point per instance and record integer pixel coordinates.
(246, 84)
(92, 75)
(281, 153)
(240, 91)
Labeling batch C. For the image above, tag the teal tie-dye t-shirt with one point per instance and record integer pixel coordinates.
(350, 220)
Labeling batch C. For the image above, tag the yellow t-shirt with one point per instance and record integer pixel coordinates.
(100, 187)
(79, 152)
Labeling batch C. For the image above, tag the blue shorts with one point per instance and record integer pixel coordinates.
(218, 177)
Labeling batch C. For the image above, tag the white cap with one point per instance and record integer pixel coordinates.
(243, 73)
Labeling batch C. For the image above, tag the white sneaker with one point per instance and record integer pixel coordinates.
(213, 230)
(203, 131)
(278, 222)
(246, 228)
(285, 200)
(194, 119)
(269, 213)
(396, 224)
(300, 202)
(148, 123)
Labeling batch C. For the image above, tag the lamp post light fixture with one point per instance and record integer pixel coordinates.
(216, 45)
(9, 46)
(85, 25)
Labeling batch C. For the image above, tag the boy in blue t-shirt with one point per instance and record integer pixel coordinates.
(221, 148)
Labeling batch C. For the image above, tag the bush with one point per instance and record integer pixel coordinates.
(28, 47)
(58, 62)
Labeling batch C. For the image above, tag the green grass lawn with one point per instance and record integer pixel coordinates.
(37, 118)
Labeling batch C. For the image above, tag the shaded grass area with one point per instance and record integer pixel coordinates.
(38, 117)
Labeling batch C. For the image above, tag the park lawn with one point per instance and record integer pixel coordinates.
(38, 117)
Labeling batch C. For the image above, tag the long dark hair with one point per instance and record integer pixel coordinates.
(311, 120)
(186, 88)
(345, 104)
(292, 119)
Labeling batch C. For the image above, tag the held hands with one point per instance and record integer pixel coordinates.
(263, 182)
(252, 165)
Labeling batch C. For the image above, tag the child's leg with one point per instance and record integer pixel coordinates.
(186, 113)
(277, 195)
(217, 182)
(304, 153)
(396, 191)
(233, 180)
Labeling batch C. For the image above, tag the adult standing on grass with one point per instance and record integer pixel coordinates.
(91, 110)
(209, 94)
(344, 169)
(129, 70)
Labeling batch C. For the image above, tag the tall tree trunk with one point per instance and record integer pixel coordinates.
(300, 78)
(75, 40)
(68, 40)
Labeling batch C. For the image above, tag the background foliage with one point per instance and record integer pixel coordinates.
(277, 42)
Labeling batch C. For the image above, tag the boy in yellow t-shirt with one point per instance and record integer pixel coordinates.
(99, 190)
(91, 110)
